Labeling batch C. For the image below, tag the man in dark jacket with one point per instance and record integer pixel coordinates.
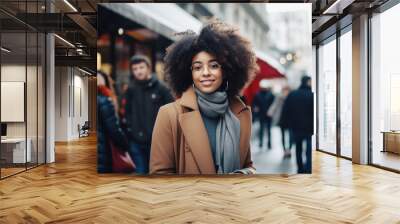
(261, 104)
(298, 110)
(144, 97)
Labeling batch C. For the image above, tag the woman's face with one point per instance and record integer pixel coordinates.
(206, 72)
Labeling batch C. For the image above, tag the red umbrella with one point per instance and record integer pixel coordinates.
(266, 72)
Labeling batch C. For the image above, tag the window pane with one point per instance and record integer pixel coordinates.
(327, 97)
(346, 94)
(13, 86)
(386, 89)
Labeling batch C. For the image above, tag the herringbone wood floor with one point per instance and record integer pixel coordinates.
(70, 191)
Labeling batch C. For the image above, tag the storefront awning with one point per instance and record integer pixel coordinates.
(270, 61)
(163, 18)
(270, 68)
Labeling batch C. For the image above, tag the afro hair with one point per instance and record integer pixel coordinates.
(232, 51)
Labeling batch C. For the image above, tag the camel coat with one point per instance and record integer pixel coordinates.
(180, 142)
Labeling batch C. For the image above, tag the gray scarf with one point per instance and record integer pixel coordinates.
(228, 129)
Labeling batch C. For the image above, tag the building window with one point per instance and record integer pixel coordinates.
(222, 8)
(255, 36)
(246, 25)
(236, 16)
(327, 97)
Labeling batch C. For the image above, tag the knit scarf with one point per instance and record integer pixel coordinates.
(228, 129)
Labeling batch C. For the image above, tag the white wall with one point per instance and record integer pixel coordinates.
(80, 100)
(61, 103)
(71, 94)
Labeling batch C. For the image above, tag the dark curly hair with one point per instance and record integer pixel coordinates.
(219, 39)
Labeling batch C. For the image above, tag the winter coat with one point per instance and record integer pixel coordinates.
(262, 101)
(143, 100)
(298, 111)
(180, 143)
(108, 129)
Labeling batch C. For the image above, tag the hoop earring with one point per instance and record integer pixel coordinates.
(227, 85)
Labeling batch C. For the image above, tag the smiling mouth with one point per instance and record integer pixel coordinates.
(207, 82)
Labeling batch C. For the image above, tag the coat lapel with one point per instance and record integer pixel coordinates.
(196, 136)
(195, 133)
(245, 133)
(244, 115)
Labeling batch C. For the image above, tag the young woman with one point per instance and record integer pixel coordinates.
(109, 132)
(207, 129)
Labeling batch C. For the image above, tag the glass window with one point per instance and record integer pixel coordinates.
(22, 90)
(327, 96)
(385, 89)
(346, 94)
(15, 150)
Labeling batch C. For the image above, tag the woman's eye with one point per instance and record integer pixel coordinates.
(197, 67)
(214, 66)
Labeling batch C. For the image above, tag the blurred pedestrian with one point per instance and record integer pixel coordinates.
(109, 132)
(275, 111)
(261, 103)
(122, 98)
(207, 130)
(145, 95)
(122, 106)
(299, 112)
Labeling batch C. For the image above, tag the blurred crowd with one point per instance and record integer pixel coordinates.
(125, 123)
(292, 112)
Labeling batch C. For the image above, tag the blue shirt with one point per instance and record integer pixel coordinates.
(211, 127)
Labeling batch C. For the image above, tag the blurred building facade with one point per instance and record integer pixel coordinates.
(288, 40)
(249, 18)
(279, 36)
